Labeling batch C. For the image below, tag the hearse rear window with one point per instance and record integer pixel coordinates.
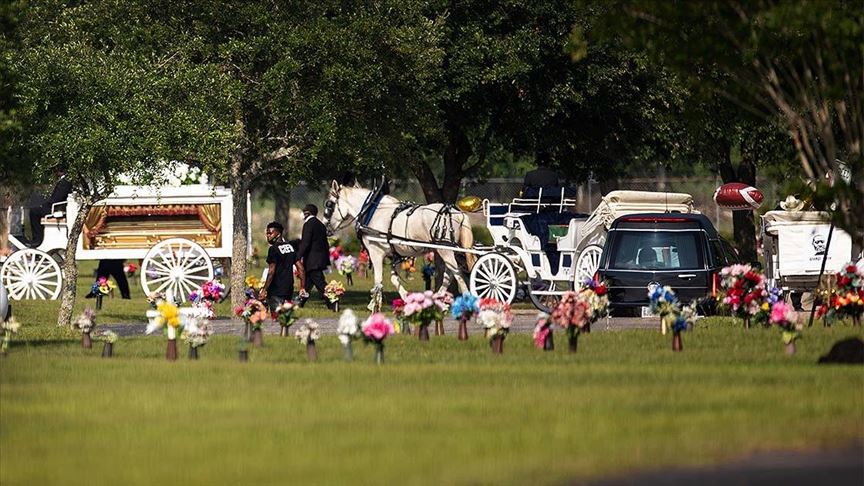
(657, 250)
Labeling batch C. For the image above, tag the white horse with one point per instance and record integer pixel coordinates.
(400, 223)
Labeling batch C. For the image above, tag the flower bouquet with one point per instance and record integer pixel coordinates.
(169, 318)
(253, 313)
(253, 286)
(495, 317)
(205, 296)
(284, 315)
(573, 313)
(442, 301)
(108, 339)
(196, 330)
(85, 324)
(422, 308)
(665, 303)
(743, 291)
(784, 316)
(101, 287)
(596, 294)
(463, 309)
(347, 331)
(308, 333)
(375, 330)
(346, 265)
(129, 269)
(333, 292)
(400, 324)
(543, 338)
(845, 295)
(9, 327)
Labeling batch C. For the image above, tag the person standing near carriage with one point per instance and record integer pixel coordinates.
(281, 259)
(314, 252)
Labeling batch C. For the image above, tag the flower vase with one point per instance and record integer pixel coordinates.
(790, 348)
(99, 301)
(746, 322)
(549, 341)
(498, 344)
(243, 355)
(677, 345)
(107, 350)
(171, 350)
(379, 353)
(573, 342)
(258, 337)
(247, 331)
(463, 329)
(348, 351)
(406, 326)
(423, 331)
(86, 341)
(856, 320)
(284, 331)
(439, 327)
(193, 352)
(336, 306)
(311, 351)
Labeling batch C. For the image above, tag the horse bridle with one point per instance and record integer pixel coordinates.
(330, 207)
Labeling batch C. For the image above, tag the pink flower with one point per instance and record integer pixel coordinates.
(377, 327)
(782, 313)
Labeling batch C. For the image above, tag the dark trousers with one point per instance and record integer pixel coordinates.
(315, 278)
(274, 301)
(114, 268)
(36, 229)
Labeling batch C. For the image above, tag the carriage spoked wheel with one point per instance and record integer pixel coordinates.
(175, 267)
(31, 274)
(543, 301)
(588, 262)
(494, 276)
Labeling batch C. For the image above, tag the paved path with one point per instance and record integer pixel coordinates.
(523, 322)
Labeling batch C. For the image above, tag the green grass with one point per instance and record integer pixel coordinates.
(443, 412)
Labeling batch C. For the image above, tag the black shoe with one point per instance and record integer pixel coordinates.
(302, 301)
(91, 295)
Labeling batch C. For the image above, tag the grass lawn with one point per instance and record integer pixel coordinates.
(443, 412)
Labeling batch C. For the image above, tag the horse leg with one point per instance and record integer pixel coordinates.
(397, 280)
(376, 259)
(452, 270)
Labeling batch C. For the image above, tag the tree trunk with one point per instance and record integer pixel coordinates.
(70, 266)
(239, 188)
(282, 209)
(743, 225)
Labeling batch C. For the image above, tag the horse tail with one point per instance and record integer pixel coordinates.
(466, 240)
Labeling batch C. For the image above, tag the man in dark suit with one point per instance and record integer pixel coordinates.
(313, 251)
(542, 176)
(59, 193)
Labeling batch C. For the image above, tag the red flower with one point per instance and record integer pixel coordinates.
(851, 269)
(601, 290)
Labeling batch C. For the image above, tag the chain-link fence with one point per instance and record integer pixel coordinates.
(588, 194)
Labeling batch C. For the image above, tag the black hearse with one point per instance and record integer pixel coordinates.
(682, 251)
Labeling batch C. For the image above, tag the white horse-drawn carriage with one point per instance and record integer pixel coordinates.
(794, 245)
(177, 231)
(538, 243)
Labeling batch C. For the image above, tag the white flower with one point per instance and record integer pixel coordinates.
(347, 326)
(12, 325)
(308, 332)
(203, 179)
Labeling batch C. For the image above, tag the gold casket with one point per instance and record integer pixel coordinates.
(142, 226)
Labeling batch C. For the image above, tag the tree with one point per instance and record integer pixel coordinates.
(247, 90)
(799, 61)
(507, 86)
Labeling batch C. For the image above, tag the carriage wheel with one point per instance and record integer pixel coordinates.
(588, 262)
(494, 276)
(175, 267)
(545, 302)
(31, 274)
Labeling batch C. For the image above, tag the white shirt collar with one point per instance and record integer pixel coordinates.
(307, 218)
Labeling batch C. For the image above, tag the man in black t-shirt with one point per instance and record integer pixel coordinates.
(281, 258)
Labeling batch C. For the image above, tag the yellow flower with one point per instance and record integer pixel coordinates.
(169, 314)
(765, 306)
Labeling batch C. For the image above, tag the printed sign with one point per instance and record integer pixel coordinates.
(802, 248)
